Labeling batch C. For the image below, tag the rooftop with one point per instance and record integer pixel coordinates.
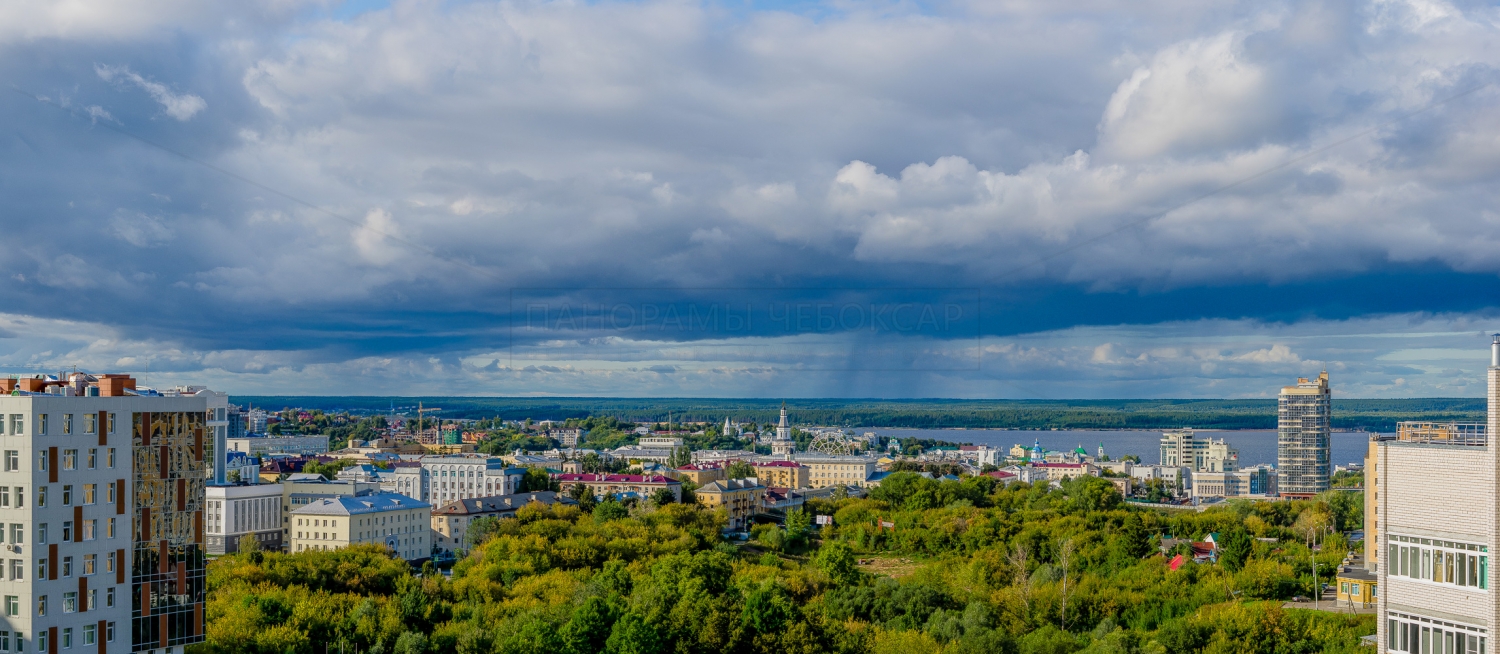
(618, 479)
(501, 503)
(1442, 433)
(354, 505)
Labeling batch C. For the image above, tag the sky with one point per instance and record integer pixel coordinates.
(1017, 199)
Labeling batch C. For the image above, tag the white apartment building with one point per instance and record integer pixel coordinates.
(1435, 506)
(1185, 449)
(443, 479)
(234, 513)
(258, 446)
(101, 499)
(1255, 481)
(399, 522)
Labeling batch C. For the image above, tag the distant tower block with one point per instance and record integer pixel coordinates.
(1303, 425)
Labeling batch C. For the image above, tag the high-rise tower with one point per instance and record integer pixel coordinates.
(1303, 414)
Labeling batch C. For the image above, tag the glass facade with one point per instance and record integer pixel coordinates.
(167, 581)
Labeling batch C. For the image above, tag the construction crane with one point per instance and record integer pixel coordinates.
(422, 426)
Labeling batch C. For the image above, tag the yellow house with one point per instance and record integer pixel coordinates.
(699, 473)
(1357, 587)
(783, 474)
(741, 497)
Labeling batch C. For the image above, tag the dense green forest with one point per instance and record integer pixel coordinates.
(1371, 415)
(919, 566)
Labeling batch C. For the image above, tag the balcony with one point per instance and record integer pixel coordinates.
(1468, 434)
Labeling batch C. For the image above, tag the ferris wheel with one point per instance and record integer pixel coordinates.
(832, 442)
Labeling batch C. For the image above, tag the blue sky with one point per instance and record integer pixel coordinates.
(937, 199)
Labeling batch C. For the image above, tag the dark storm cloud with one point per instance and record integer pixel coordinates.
(405, 186)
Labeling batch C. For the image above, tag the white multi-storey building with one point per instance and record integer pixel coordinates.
(101, 498)
(1434, 499)
(1184, 449)
(235, 513)
(443, 479)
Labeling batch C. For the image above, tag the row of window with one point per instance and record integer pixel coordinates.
(89, 636)
(90, 531)
(89, 422)
(70, 459)
(72, 602)
(1418, 638)
(1440, 561)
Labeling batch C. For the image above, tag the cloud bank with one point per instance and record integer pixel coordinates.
(368, 195)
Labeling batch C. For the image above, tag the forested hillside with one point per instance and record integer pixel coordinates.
(966, 567)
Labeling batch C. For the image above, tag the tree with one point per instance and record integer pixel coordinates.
(739, 470)
(536, 479)
(837, 561)
(609, 509)
(798, 524)
(410, 642)
(480, 530)
(632, 634)
(584, 495)
(663, 497)
(589, 627)
(1234, 550)
(1133, 536)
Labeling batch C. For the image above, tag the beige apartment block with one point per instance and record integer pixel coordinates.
(399, 522)
(783, 474)
(1433, 490)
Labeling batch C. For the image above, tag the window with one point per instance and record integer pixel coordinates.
(67, 496)
(41, 534)
(18, 533)
(41, 568)
(111, 423)
(93, 601)
(89, 561)
(70, 459)
(67, 637)
(89, 422)
(70, 601)
(109, 528)
(88, 634)
(109, 493)
(109, 630)
(67, 567)
(109, 597)
(111, 458)
(5, 641)
(12, 605)
(4, 496)
(17, 569)
(41, 425)
(13, 460)
(17, 424)
(41, 605)
(90, 492)
(41, 460)
(67, 423)
(109, 564)
(93, 457)
(20, 497)
(41, 640)
(41, 496)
